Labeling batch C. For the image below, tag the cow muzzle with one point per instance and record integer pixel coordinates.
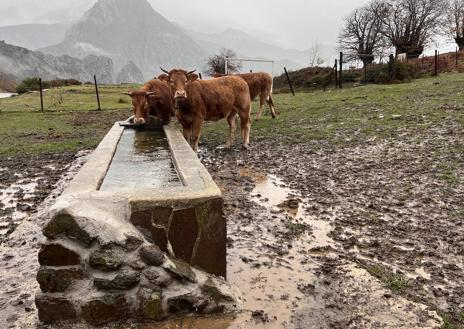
(139, 120)
(180, 94)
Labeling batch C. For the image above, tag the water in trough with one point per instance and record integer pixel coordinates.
(142, 160)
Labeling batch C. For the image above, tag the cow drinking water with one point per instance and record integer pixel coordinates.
(153, 98)
(210, 100)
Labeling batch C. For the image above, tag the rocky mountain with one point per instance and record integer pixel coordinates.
(130, 73)
(130, 31)
(20, 63)
(34, 36)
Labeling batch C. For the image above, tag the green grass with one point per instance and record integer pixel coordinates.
(397, 283)
(67, 127)
(348, 115)
(337, 117)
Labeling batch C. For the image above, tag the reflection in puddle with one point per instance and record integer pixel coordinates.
(276, 283)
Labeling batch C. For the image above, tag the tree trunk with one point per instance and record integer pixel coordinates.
(460, 42)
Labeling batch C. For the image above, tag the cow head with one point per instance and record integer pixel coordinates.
(178, 80)
(141, 104)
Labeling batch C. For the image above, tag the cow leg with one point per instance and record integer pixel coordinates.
(232, 120)
(270, 102)
(196, 132)
(245, 121)
(262, 100)
(187, 130)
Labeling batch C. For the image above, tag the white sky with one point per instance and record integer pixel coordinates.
(291, 23)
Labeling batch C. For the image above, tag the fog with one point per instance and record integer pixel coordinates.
(292, 24)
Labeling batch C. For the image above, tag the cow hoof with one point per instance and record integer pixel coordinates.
(246, 147)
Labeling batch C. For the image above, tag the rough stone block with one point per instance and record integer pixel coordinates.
(160, 237)
(106, 260)
(124, 280)
(150, 305)
(58, 279)
(52, 309)
(161, 216)
(152, 255)
(105, 309)
(65, 224)
(58, 255)
(183, 233)
(180, 270)
(157, 277)
(211, 251)
(183, 303)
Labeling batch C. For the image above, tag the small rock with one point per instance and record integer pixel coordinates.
(123, 281)
(152, 255)
(106, 260)
(180, 270)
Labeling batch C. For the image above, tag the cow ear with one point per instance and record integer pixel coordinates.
(164, 78)
(127, 94)
(153, 94)
(192, 77)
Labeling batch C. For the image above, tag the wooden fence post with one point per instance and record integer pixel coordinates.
(390, 67)
(340, 79)
(436, 62)
(457, 54)
(199, 75)
(336, 73)
(96, 91)
(289, 81)
(41, 95)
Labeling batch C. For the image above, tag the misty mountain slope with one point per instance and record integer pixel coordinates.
(130, 31)
(34, 36)
(22, 63)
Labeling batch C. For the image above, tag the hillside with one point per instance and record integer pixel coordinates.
(130, 31)
(34, 36)
(20, 63)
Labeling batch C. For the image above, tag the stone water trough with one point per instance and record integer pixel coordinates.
(139, 234)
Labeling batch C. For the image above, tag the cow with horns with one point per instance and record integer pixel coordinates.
(197, 101)
(153, 98)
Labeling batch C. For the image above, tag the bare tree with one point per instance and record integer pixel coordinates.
(362, 35)
(315, 58)
(217, 63)
(454, 24)
(410, 25)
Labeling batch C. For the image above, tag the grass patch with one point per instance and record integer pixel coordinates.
(397, 283)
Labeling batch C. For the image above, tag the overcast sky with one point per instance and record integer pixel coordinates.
(291, 23)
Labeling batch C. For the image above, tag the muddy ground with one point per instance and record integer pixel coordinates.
(368, 235)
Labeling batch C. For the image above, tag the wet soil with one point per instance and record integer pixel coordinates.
(368, 235)
(25, 182)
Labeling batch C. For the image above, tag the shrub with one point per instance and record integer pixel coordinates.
(33, 84)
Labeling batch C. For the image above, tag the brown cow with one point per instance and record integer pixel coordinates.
(260, 84)
(153, 98)
(210, 100)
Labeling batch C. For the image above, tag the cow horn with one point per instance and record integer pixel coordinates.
(128, 94)
(150, 93)
(188, 73)
(164, 70)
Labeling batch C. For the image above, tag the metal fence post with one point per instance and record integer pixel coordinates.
(289, 81)
(96, 91)
(41, 95)
(340, 80)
